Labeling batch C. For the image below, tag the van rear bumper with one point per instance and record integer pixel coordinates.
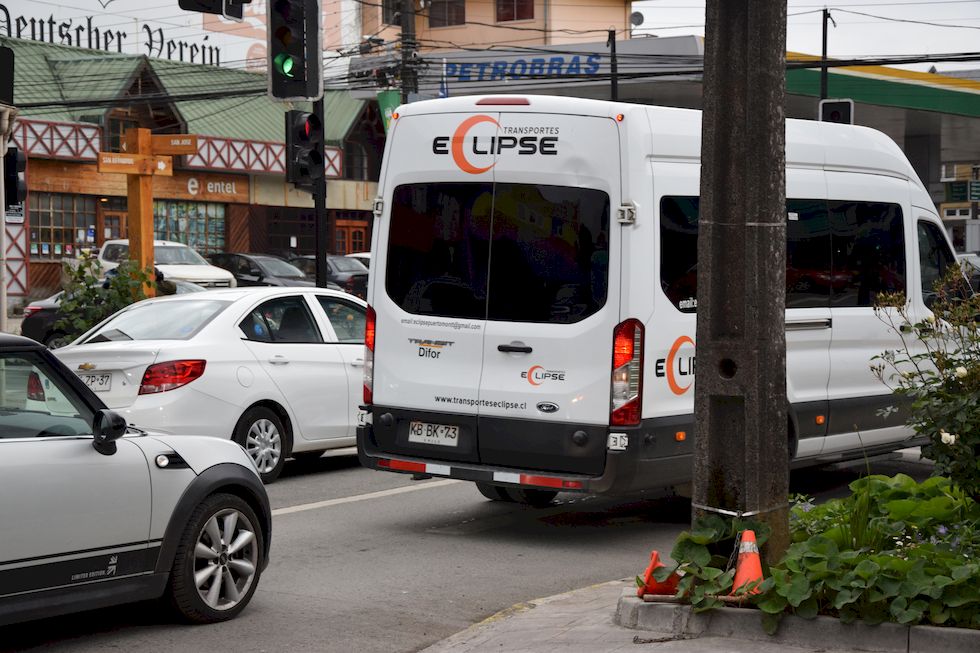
(643, 465)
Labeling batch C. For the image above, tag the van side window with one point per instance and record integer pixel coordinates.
(934, 259)
(868, 250)
(809, 280)
(679, 251)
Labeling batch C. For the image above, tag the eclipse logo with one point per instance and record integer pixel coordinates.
(457, 145)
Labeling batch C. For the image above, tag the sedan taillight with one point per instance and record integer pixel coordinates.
(35, 391)
(171, 375)
(31, 309)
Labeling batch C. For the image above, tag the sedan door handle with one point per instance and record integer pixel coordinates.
(514, 349)
(279, 360)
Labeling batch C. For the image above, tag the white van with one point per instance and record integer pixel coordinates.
(533, 294)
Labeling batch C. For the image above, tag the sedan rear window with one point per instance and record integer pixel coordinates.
(166, 320)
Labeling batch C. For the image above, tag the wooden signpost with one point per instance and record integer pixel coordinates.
(146, 155)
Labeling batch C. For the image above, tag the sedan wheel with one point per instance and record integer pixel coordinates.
(261, 433)
(218, 561)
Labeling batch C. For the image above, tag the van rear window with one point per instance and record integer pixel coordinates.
(514, 252)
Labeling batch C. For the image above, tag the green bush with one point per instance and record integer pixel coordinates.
(937, 370)
(88, 299)
(895, 550)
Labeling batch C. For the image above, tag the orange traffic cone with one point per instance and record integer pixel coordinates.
(748, 568)
(651, 585)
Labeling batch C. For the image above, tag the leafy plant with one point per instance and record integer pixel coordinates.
(914, 559)
(705, 560)
(88, 299)
(937, 369)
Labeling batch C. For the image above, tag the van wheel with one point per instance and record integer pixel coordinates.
(533, 498)
(261, 433)
(493, 492)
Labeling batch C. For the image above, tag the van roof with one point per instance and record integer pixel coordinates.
(676, 133)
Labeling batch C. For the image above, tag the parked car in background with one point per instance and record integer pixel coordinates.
(41, 316)
(971, 268)
(279, 371)
(261, 270)
(96, 514)
(363, 257)
(174, 260)
(348, 273)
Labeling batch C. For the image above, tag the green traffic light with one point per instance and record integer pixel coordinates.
(285, 64)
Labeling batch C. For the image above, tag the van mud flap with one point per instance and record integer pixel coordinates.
(545, 446)
(391, 434)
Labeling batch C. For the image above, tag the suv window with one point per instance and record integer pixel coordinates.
(515, 252)
(115, 253)
(284, 319)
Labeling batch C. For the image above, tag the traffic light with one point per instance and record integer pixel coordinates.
(304, 148)
(295, 50)
(228, 8)
(14, 185)
(6, 76)
(841, 111)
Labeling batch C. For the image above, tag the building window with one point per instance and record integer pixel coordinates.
(115, 133)
(61, 224)
(357, 239)
(508, 10)
(391, 12)
(445, 13)
(292, 231)
(356, 162)
(199, 225)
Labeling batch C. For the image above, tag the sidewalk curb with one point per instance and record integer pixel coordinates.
(831, 633)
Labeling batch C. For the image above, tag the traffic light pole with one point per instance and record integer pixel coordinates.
(320, 211)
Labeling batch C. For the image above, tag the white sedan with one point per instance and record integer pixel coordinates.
(277, 370)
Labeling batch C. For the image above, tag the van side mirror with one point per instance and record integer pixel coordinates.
(108, 426)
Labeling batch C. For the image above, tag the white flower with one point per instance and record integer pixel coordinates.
(947, 438)
(931, 319)
(961, 372)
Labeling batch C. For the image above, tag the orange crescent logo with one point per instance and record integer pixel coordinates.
(530, 374)
(674, 387)
(460, 135)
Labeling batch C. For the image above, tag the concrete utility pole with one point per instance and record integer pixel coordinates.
(613, 67)
(741, 464)
(409, 76)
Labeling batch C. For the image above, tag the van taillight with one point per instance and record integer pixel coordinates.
(627, 374)
(35, 391)
(369, 331)
(171, 375)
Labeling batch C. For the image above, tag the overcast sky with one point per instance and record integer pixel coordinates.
(957, 30)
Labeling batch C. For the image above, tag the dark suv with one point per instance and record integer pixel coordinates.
(260, 270)
(348, 273)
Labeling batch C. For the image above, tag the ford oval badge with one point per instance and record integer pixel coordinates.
(548, 407)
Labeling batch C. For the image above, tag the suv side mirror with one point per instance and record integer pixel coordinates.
(108, 426)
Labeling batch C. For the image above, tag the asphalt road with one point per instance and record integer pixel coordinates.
(369, 561)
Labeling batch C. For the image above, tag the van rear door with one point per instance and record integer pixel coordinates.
(552, 293)
(429, 285)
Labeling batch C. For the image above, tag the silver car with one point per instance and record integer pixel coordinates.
(95, 513)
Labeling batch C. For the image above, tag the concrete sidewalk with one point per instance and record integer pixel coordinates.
(582, 621)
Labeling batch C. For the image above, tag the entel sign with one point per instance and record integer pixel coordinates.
(223, 187)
